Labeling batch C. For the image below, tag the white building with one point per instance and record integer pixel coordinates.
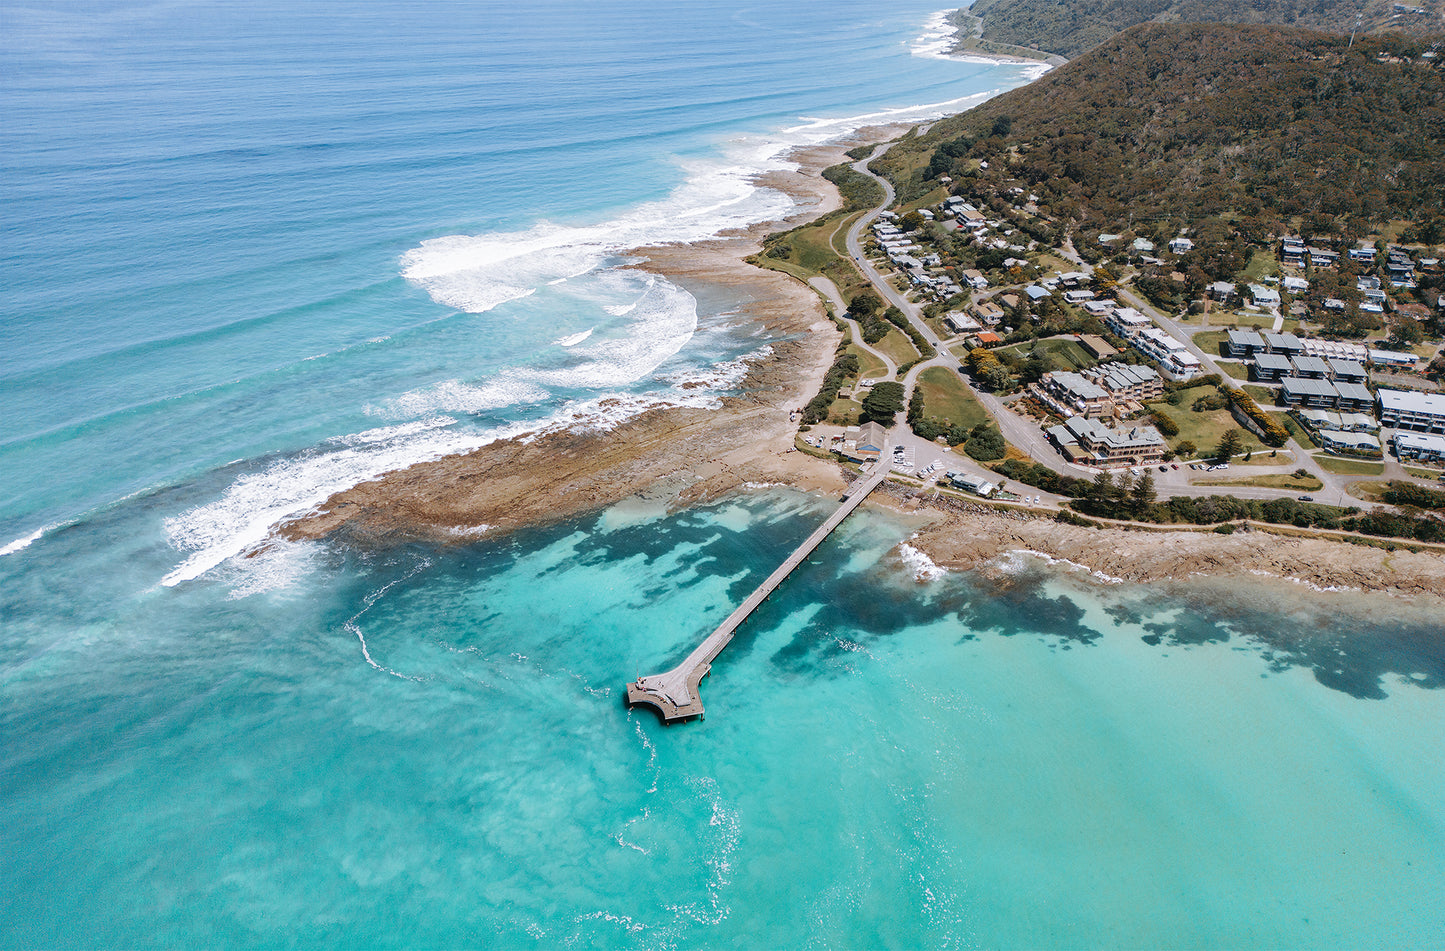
(1174, 359)
(1406, 409)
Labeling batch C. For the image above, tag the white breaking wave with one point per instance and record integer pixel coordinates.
(241, 520)
(939, 35)
(20, 544)
(923, 567)
(573, 340)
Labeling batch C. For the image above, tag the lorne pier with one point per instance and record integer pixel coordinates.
(674, 694)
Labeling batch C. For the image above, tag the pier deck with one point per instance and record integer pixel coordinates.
(674, 694)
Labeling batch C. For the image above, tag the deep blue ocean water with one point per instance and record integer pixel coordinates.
(255, 253)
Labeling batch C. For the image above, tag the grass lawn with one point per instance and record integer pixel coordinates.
(844, 412)
(1205, 429)
(1295, 429)
(1369, 491)
(869, 366)
(1239, 371)
(1342, 466)
(1263, 395)
(1274, 481)
(946, 397)
(1262, 263)
(1210, 342)
(898, 347)
(1063, 353)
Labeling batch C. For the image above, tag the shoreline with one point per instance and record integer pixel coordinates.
(964, 536)
(668, 456)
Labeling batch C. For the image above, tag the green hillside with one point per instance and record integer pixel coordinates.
(1071, 27)
(1177, 123)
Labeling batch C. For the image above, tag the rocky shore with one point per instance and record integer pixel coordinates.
(964, 536)
(668, 456)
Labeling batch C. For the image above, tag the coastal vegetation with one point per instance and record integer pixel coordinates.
(1071, 27)
(1165, 126)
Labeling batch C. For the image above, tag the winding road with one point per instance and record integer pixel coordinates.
(1025, 433)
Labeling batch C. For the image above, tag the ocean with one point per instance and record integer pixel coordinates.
(254, 254)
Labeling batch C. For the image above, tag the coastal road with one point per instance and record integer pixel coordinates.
(828, 289)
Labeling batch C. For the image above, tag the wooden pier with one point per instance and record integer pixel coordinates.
(674, 694)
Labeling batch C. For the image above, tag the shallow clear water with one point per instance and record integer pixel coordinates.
(255, 253)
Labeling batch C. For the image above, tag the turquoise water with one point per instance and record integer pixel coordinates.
(253, 254)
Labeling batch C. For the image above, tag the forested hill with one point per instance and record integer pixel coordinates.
(1071, 27)
(1191, 121)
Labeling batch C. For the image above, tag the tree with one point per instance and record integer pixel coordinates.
(911, 221)
(1229, 445)
(1143, 495)
(864, 304)
(1185, 450)
(985, 443)
(883, 402)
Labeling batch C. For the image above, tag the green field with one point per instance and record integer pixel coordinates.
(1204, 429)
(845, 412)
(1295, 429)
(1422, 473)
(1239, 371)
(1263, 395)
(1342, 466)
(1063, 353)
(1261, 263)
(869, 366)
(946, 397)
(1275, 481)
(1210, 341)
(898, 347)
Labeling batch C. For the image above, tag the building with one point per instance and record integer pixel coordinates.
(1360, 443)
(974, 484)
(1098, 347)
(1071, 394)
(1222, 290)
(1292, 251)
(1263, 296)
(1334, 348)
(1296, 285)
(1037, 293)
(1311, 368)
(961, 323)
(871, 441)
(1287, 344)
(1319, 257)
(1078, 297)
(1406, 409)
(988, 312)
(1354, 397)
(1092, 443)
(1345, 371)
(1421, 448)
(1174, 359)
(1181, 246)
(1392, 358)
(1244, 344)
(1270, 367)
(1314, 393)
(1099, 308)
(1127, 383)
(1126, 322)
(1318, 419)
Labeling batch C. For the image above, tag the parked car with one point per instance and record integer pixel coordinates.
(1306, 498)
